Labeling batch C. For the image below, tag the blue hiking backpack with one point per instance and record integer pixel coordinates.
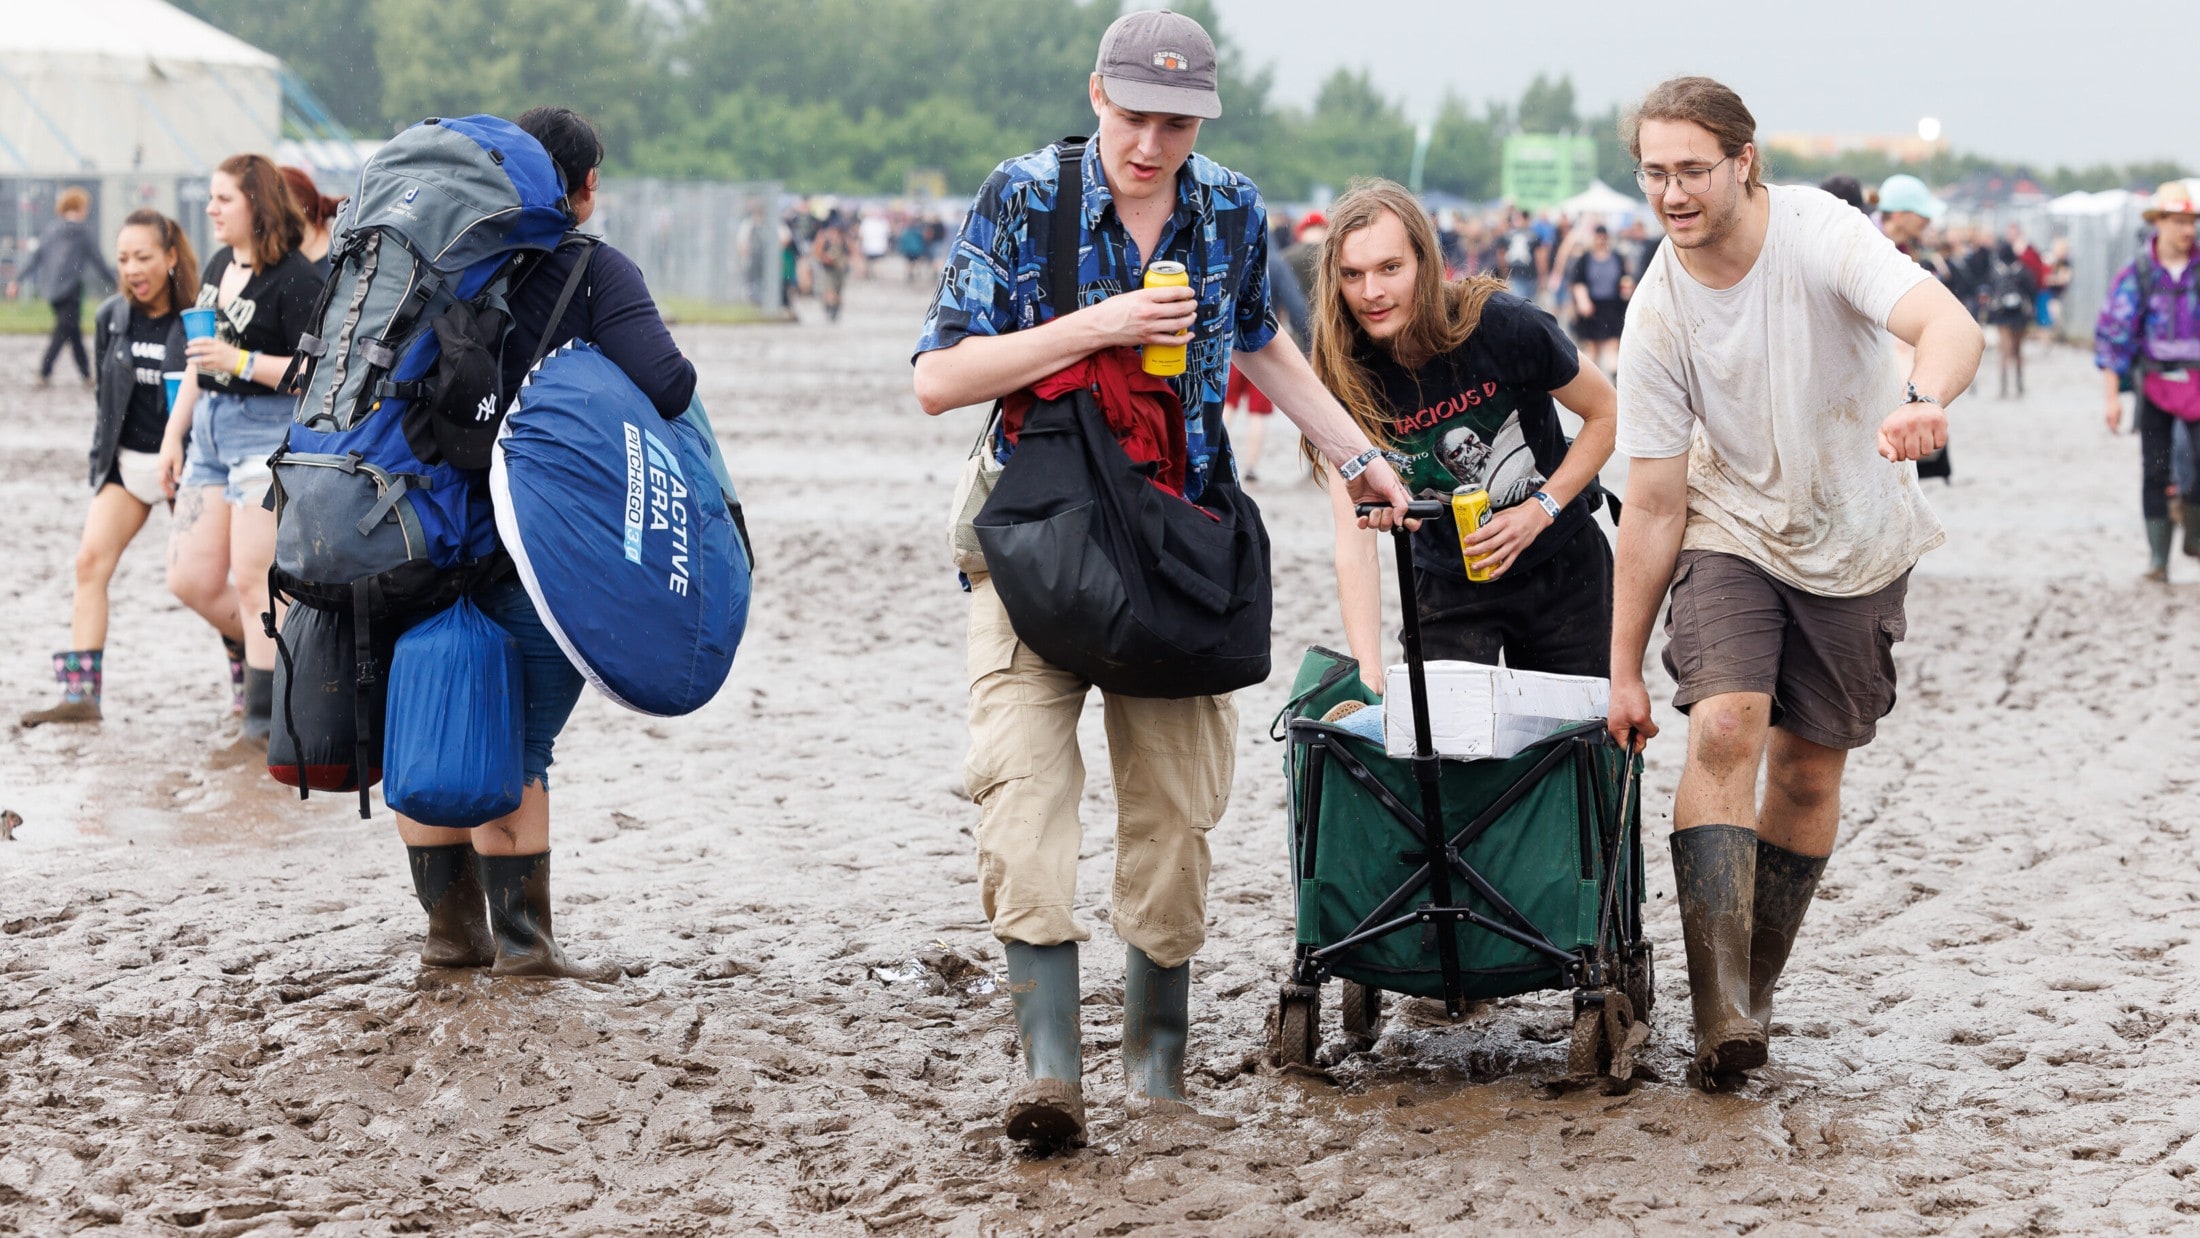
(381, 506)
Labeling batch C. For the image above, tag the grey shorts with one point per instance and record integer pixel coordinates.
(1827, 663)
(231, 439)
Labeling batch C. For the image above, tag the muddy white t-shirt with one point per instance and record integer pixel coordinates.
(1776, 388)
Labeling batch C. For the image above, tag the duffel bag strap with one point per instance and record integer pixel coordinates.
(366, 597)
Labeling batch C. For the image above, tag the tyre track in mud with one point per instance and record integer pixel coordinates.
(212, 1022)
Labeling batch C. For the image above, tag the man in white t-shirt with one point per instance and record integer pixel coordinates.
(1771, 485)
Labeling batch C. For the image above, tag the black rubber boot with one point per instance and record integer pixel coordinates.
(1156, 1026)
(1714, 875)
(458, 916)
(1786, 882)
(1048, 1111)
(518, 889)
(2192, 530)
(2158, 536)
(259, 703)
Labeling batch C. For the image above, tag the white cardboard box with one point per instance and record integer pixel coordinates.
(1480, 713)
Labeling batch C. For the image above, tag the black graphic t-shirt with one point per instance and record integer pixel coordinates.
(156, 347)
(1482, 416)
(267, 315)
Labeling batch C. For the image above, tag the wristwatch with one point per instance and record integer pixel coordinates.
(1357, 465)
(1911, 395)
(1548, 503)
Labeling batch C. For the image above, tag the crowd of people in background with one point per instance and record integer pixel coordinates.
(822, 243)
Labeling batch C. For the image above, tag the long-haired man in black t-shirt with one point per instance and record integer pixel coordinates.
(1457, 382)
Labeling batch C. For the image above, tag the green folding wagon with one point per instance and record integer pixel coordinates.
(1458, 880)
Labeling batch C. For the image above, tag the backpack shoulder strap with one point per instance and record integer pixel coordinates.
(565, 300)
(1065, 227)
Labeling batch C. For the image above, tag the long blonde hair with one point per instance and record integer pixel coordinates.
(1444, 313)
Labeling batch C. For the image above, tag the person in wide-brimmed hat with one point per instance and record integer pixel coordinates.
(2149, 335)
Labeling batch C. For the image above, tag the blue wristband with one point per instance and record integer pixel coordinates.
(1548, 503)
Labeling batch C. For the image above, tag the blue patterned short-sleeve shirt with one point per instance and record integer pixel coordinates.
(995, 281)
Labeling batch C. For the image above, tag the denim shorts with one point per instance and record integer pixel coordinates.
(552, 686)
(231, 438)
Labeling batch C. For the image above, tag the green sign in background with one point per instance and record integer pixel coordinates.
(1543, 170)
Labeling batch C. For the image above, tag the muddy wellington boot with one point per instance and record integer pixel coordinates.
(78, 672)
(1048, 1111)
(1786, 882)
(1714, 875)
(518, 888)
(458, 916)
(1156, 1025)
(2158, 532)
(259, 704)
(2192, 530)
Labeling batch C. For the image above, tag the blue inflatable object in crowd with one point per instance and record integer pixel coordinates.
(625, 532)
(453, 748)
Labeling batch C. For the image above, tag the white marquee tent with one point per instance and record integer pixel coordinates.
(128, 87)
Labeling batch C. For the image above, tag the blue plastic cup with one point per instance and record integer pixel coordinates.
(173, 380)
(199, 323)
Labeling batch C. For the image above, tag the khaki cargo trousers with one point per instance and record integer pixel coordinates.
(1172, 760)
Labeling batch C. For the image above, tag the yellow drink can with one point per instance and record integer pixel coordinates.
(1166, 360)
(1469, 508)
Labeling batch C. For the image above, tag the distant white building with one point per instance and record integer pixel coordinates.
(134, 100)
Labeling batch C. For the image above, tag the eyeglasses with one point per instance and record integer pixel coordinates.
(1692, 180)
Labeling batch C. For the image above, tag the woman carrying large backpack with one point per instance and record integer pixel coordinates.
(263, 292)
(508, 859)
(138, 338)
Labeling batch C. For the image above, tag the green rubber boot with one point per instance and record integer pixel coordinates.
(1786, 882)
(1048, 1111)
(1156, 1027)
(1714, 878)
(2158, 535)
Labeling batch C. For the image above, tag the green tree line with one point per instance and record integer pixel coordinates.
(853, 96)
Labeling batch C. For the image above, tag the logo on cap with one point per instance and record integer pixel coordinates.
(1173, 61)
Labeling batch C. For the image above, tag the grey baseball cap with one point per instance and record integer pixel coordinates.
(1160, 62)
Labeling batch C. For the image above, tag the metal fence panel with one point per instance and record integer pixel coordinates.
(714, 242)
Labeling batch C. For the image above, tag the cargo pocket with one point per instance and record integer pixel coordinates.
(1892, 629)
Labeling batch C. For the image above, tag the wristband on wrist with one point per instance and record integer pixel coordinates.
(1911, 395)
(1547, 503)
(244, 363)
(1358, 464)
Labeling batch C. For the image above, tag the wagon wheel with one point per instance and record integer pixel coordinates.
(1298, 1025)
(1641, 981)
(1361, 1009)
(1587, 1052)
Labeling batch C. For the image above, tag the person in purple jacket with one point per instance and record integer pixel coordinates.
(508, 859)
(2149, 329)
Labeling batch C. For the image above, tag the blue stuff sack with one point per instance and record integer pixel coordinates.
(455, 748)
(625, 532)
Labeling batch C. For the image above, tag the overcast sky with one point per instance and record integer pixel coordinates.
(2067, 82)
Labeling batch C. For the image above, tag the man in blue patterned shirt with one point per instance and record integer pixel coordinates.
(991, 332)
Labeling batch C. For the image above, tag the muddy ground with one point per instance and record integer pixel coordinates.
(212, 1020)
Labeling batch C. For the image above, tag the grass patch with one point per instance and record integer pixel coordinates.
(686, 312)
(36, 317)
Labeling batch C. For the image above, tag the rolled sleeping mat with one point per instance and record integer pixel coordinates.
(456, 731)
(314, 740)
(623, 533)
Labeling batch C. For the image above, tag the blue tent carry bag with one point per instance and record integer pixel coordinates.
(454, 749)
(625, 532)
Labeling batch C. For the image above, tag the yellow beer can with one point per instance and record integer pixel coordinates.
(1469, 508)
(1166, 360)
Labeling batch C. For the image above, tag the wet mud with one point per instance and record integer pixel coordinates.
(213, 1021)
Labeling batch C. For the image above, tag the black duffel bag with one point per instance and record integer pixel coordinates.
(1117, 581)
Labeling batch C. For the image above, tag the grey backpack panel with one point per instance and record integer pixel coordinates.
(340, 519)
